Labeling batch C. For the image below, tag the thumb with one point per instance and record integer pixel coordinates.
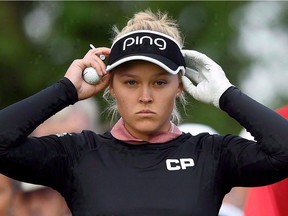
(188, 85)
(193, 75)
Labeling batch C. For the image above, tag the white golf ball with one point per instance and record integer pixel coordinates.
(90, 75)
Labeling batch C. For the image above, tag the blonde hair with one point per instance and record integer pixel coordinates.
(147, 20)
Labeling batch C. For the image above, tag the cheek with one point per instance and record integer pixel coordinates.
(167, 98)
(123, 102)
(169, 105)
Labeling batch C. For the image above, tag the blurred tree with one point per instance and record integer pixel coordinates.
(39, 40)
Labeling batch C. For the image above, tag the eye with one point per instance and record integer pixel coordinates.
(160, 82)
(130, 82)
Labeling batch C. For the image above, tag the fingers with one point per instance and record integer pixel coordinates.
(193, 75)
(197, 60)
(92, 59)
(104, 82)
(188, 85)
(207, 69)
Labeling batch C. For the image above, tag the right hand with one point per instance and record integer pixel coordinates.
(91, 59)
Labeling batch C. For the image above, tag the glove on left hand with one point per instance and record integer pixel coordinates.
(211, 81)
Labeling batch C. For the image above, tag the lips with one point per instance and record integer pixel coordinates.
(145, 112)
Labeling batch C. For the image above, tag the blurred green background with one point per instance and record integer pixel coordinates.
(40, 39)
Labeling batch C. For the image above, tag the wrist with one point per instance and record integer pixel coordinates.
(223, 96)
(70, 90)
(219, 93)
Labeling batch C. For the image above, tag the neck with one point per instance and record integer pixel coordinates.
(121, 132)
(148, 135)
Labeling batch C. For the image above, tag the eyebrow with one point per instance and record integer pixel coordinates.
(127, 74)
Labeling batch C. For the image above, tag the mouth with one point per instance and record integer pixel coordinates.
(145, 112)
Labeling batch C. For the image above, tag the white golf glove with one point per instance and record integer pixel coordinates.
(209, 78)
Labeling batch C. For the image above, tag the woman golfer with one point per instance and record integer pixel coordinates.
(145, 165)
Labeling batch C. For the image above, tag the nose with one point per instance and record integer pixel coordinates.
(145, 95)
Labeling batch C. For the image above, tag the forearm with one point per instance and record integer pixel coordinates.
(17, 121)
(267, 127)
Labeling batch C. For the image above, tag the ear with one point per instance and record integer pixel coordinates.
(111, 91)
(180, 88)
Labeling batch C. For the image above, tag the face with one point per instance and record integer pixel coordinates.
(145, 95)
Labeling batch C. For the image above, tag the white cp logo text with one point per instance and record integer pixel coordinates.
(161, 43)
(182, 163)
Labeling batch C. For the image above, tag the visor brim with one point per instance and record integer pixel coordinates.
(161, 61)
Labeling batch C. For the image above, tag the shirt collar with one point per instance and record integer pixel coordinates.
(121, 133)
